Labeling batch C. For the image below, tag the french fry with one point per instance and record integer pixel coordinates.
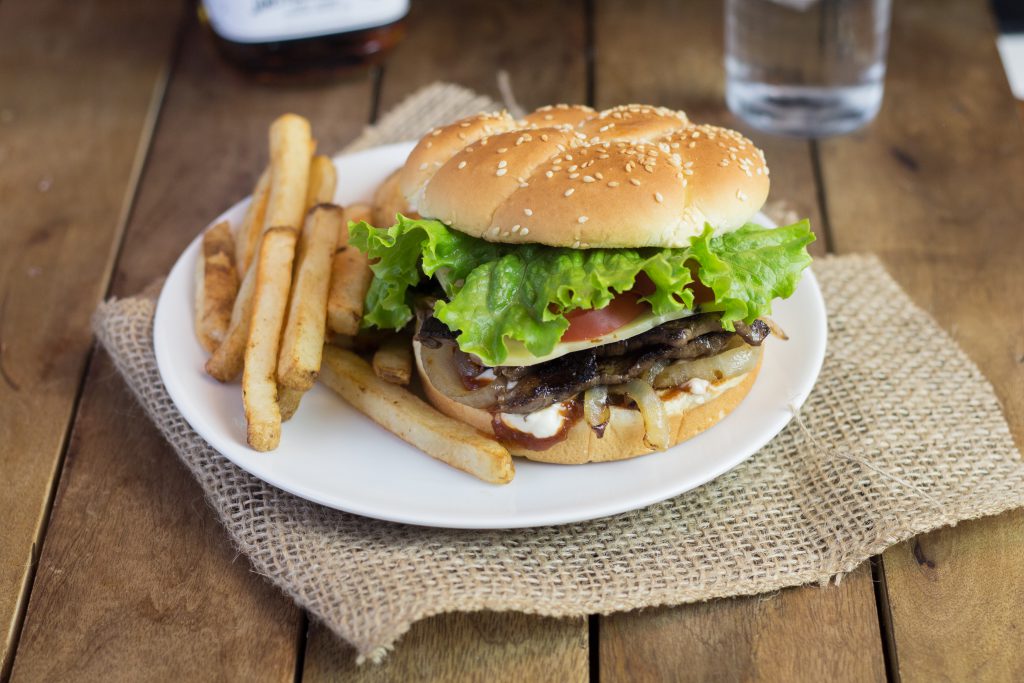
(392, 362)
(216, 286)
(414, 421)
(323, 178)
(291, 152)
(270, 301)
(288, 399)
(226, 362)
(350, 278)
(302, 343)
(248, 235)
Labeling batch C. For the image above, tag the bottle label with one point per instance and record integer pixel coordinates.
(268, 21)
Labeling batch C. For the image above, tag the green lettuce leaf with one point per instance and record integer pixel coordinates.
(748, 268)
(498, 292)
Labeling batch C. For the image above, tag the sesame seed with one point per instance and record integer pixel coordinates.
(495, 230)
(524, 231)
(582, 219)
(523, 183)
(568, 192)
(658, 198)
(723, 163)
(436, 132)
(740, 195)
(501, 172)
(462, 165)
(588, 178)
(502, 164)
(515, 228)
(574, 175)
(634, 181)
(613, 183)
(568, 157)
(599, 176)
(549, 174)
(423, 166)
(502, 150)
(548, 117)
(692, 145)
(576, 244)
(429, 144)
(528, 212)
(544, 137)
(464, 124)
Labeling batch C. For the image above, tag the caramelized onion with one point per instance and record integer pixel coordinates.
(774, 327)
(595, 409)
(651, 409)
(440, 368)
(730, 363)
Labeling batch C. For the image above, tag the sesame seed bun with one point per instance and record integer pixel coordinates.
(623, 438)
(631, 176)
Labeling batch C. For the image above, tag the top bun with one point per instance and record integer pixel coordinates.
(568, 176)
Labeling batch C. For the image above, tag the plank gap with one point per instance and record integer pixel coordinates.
(889, 654)
(819, 187)
(593, 646)
(301, 640)
(376, 82)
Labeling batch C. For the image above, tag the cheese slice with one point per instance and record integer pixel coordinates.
(519, 355)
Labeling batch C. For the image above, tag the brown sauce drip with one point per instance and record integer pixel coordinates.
(572, 411)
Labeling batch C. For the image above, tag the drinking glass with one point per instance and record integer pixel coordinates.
(806, 67)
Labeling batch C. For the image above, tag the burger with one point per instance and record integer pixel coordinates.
(583, 285)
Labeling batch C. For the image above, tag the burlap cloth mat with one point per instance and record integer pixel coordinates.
(896, 439)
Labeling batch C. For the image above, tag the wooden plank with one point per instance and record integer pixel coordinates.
(484, 646)
(467, 42)
(933, 186)
(747, 638)
(670, 54)
(136, 579)
(539, 43)
(77, 83)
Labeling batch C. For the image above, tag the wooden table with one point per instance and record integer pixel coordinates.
(122, 133)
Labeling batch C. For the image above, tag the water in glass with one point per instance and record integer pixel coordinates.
(806, 67)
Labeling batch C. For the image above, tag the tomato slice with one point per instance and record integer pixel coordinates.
(590, 324)
(623, 309)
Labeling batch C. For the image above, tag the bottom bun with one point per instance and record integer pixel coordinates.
(688, 415)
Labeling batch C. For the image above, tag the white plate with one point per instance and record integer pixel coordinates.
(333, 455)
